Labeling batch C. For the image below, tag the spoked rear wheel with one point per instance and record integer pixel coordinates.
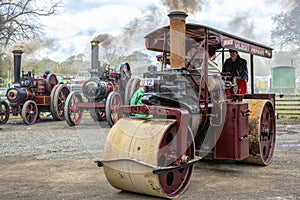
(52, 109)
(73, 114)
(51, 81)
(59, 99)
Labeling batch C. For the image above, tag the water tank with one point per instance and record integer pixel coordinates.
(283, 79)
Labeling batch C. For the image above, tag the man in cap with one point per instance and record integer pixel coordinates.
(237, 67)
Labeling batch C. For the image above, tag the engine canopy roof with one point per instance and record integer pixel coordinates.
(195, 34)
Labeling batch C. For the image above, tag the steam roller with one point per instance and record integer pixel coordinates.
(149, 156)
(190, 111)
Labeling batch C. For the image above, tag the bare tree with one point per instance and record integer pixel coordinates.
(286, 32)
(19, 19)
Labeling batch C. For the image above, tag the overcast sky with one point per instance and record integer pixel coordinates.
(79, 21)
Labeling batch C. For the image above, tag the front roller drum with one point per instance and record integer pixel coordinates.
(134, 146)
(262, 128)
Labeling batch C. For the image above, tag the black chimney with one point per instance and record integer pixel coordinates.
(17, 65)
(95, 59)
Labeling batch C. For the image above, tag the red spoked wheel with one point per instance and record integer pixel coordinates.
(29, 112)
(73, 114)
(4, 112)
(97, 114)
(112, 105)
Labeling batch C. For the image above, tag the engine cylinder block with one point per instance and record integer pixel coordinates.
(95, 89)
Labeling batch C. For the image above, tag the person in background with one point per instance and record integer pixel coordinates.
(136, 98)
(46, 73)
(237, 67)
(125, 73)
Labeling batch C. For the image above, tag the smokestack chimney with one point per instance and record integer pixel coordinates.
(17, 65)
(177, 38)
(95, 58)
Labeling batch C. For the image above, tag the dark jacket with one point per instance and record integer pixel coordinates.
(237, 69)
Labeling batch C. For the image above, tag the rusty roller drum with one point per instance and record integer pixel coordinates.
(134, 147)
(262, 128)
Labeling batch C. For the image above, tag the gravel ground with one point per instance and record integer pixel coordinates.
(50, 160)
(48, 139)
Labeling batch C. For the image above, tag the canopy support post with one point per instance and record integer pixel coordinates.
(252, 73)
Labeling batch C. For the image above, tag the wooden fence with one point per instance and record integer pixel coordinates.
(288, 105)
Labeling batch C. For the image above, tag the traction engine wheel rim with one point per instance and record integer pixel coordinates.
(73, 114)
(4, 112)
(152, 142)
(263, 130)
(29, 112)
(60, 96)
(127, 91)
(132, 85)
(112, 105)
(52, 109)
(51, 81)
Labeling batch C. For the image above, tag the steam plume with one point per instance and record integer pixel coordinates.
(30, 47)
(139, 27)
(101, 37)
(241, 25)
(104, 39)
(189, 6)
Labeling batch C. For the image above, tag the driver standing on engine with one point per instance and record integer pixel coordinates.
(237, 67)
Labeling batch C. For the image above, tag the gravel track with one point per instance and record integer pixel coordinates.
(51, 160)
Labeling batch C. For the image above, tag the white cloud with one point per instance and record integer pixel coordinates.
(81, 20)
(220, 13)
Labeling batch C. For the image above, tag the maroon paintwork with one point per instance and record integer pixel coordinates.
(233, 143)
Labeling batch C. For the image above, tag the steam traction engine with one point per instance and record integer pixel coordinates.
(189, 114)
(30, 95)
(104, 92)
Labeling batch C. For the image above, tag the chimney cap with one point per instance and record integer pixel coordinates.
(95, 42)
(177, 14)
(18, 51)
